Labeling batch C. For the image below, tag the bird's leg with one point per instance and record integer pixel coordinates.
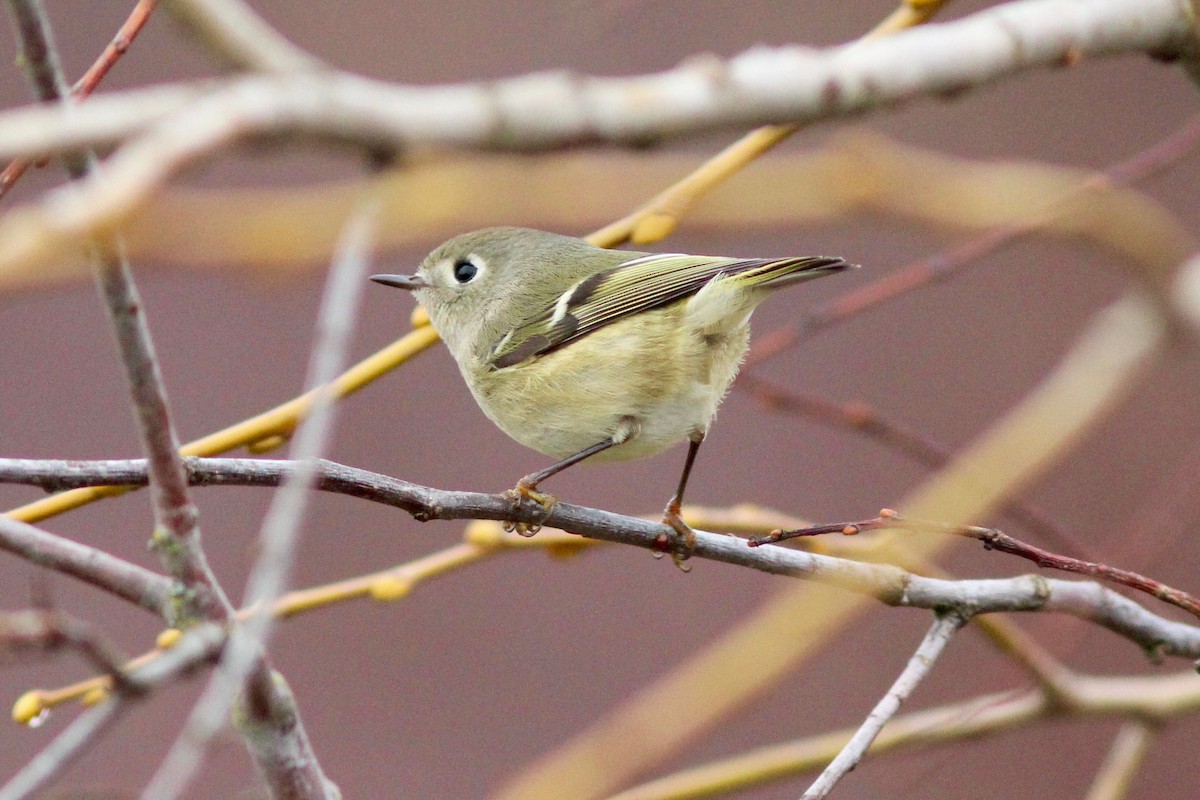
(526, 488)
(685, 538)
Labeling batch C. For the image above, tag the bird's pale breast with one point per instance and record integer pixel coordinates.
(572, 398)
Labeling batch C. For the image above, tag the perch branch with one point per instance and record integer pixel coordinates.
(891, 585)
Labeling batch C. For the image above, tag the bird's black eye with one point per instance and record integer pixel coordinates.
(464, 270)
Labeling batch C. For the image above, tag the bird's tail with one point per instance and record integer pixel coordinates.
(778, 273)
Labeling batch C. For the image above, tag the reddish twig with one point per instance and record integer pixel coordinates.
(947, 263)
(87, 84)
(994, 539)
(861, 417)
(116, 48)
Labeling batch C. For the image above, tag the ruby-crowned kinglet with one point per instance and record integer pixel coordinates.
(580, 352)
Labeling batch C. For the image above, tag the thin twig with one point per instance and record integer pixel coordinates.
(978, 716)
(922, 661)
(1121, 764)
(91, 79)
(860, 417)
(116, 48)
(51, 630)
(197, 646)
(66, 747)
(124, 579)
(1162, 698)
(236, 33)
(994, 539)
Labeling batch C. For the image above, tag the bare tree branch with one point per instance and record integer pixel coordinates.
(199, 645)
(544, 110)
(993, 539)
(271, 723)
(861, 417)
(1144, 700)
(48, 630)
(177, 530)
(126, 580)
(232, 30)
(91, 79)
(66, 747)
(892, 585)
(914, 672)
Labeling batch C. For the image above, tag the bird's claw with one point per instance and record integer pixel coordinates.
(682, 544)
(518, 495)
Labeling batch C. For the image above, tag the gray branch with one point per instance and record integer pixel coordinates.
(233, 30)
(176, 518)
(922, 661)
(124, 579)
(198, 646)
(554, 109)
(892, 585)
(75, 739)
(269, 719)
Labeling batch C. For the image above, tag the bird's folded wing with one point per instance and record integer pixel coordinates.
(638, 285)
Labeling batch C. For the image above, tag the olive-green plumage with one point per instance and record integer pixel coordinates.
(566, 346)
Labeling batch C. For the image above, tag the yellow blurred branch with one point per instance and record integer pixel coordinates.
(277, 422)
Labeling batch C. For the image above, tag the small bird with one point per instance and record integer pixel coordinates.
(584, 353)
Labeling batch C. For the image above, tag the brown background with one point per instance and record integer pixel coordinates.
(446, 693)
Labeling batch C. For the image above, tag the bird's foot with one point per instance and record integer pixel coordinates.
(528, 491)
(682, 544)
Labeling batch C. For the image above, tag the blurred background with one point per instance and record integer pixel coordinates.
(450, 692)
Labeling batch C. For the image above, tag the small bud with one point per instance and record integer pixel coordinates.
(167, 639)
(390, 588)
(97, 694)
(28, 707)
(484, 533)
(266, 444)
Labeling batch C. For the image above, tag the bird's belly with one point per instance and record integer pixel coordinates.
(562, 429)
(560, 406)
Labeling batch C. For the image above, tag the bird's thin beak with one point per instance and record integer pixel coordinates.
(409, 282)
